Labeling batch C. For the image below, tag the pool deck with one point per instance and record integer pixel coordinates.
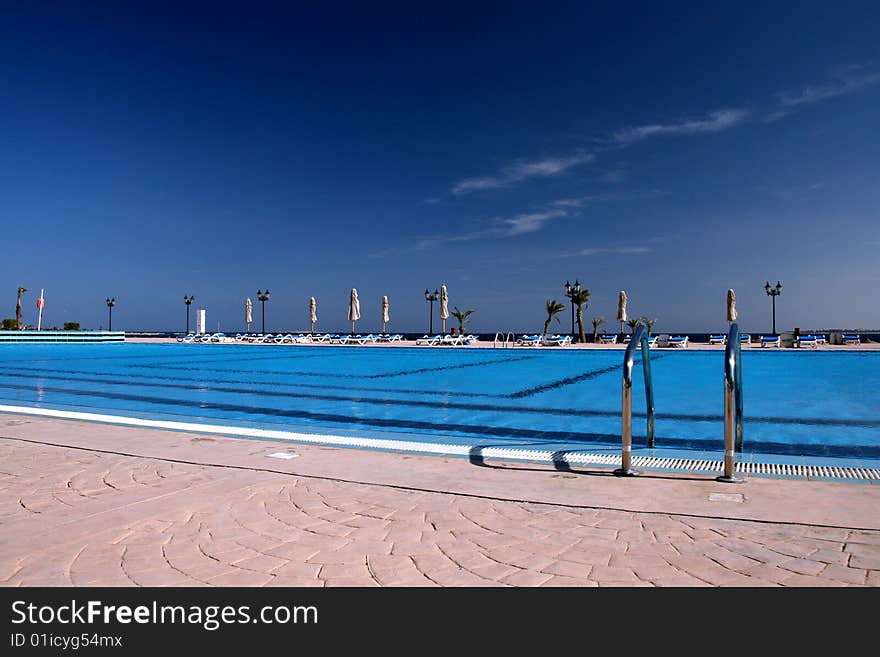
(97, 505)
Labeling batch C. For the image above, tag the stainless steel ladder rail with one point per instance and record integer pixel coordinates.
(504, 339)
(639, 338)
(733, 405)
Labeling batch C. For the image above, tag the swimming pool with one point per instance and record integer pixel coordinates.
(816, 404)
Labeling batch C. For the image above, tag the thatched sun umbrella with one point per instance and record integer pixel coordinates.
(621, 309)
(248, 313)
(444, 306)
(313, 312)
(354, 308)
(385, 317)
(731, 306)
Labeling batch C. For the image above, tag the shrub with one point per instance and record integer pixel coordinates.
(71, 326)
(9, 324)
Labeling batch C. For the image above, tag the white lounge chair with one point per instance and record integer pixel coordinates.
(820, 339)
(429, 341)
(745, 339)
(678, 341)
(555, 340)
(470, 339)
(608, 339)
(851, 339)
(804, 341)
(718, 339)
(451, 340)
(189, 337)
(529, 341)
(771, 341)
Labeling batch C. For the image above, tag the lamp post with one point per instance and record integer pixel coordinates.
(773, 292)
(431, 298)
(110, 304)
(263, 297)
(571, 291)
(188, 301)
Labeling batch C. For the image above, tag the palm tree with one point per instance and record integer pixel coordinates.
(21, 290)
(633, 324)
(649, 323)
(462, 317)
(553, 309)
(581, 298)
(597, 322)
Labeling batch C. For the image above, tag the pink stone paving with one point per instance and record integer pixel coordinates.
(174, 509)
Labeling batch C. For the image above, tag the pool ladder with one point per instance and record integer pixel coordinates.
(733, 402)
(506, 340)
(639, 339)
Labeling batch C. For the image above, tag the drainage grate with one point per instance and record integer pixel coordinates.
(697, 465)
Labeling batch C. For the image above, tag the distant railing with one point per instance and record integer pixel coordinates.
(639, 339)
(62, 336)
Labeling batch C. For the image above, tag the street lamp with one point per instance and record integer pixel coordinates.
(571, 291)
(110, 304)
(188, 301)
(773, 292)
(432, 298)
(263, 297)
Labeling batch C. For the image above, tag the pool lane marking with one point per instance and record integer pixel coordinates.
(533, 455)
(394, 423)
(570, 380)
(337, 375)
(307, 386)
(537, 410)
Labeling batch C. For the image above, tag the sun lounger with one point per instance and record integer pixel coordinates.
(470, 339)
(529, 341)
(607, 339)
(555, 340)
(803, 341)
(771, 341)
(678, 341)
(189, 337)
(718, 339)
(745, 339)
(429, 341)
(820, 339)
(451, 340)
(851, 339)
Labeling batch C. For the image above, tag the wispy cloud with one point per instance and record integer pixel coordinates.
(583, 201)
(848, 82)
(713, 122)
(620, 250)
(519, 171)
(500, 228)
(839, 87)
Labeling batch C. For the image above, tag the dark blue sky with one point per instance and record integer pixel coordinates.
(672, 151)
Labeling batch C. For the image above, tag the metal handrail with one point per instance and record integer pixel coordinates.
(639, 338)
(503, 339)
(733, 404)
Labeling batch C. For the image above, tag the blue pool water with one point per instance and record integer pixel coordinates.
(822, 404)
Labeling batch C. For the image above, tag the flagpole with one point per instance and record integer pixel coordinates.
(40, 317)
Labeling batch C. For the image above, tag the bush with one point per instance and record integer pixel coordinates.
(71, 326)
(9, 324)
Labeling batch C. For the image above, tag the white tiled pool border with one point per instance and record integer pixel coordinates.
(578, 458)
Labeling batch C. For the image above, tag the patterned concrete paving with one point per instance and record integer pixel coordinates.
(76, 515)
